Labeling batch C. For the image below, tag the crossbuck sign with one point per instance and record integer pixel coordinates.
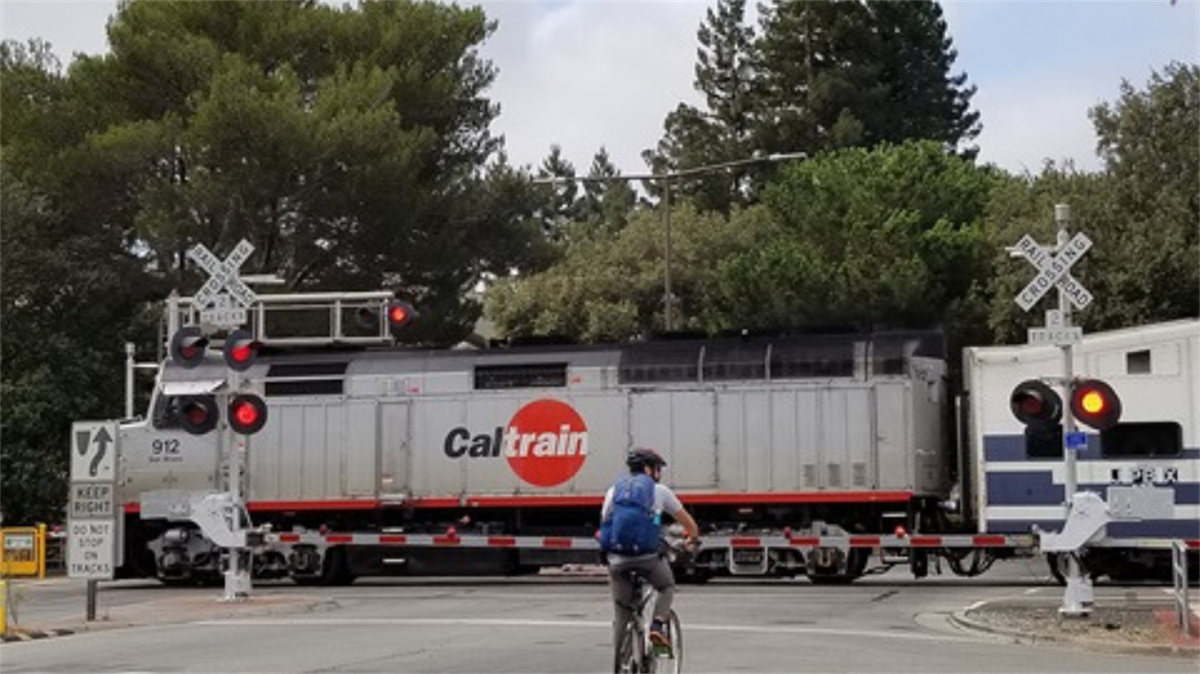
(1054, 270)
(217, 307)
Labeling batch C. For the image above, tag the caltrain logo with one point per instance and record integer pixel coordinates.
(546, 443)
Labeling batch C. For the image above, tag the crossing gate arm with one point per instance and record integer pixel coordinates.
(453, 539)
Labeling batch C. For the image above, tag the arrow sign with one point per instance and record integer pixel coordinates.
(93, 458)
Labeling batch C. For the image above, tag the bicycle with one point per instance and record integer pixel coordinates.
(635, 654)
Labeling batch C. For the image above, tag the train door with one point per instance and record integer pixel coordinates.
(394, 449)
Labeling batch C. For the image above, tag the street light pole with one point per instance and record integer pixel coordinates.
(668, 179)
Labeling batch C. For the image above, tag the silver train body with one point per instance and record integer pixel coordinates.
(826, 433)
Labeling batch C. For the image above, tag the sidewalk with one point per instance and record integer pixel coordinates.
(1133, 624)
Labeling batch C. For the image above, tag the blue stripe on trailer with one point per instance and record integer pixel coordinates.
(1149, 529)
(1009, 448)
(1037, 487)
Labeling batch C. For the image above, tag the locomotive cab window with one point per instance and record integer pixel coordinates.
(166, 412)
(1142, 439)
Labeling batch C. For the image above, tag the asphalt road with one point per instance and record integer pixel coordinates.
(549, 624)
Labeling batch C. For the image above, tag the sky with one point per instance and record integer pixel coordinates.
(589, 74)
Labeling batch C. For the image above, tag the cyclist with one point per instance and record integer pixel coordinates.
(650, 562)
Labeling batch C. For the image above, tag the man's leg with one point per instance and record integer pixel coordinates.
(622, 594)
(663, 580)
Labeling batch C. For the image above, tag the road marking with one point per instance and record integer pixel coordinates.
(575, 624)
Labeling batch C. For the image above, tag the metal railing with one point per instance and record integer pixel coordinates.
(1179, 568)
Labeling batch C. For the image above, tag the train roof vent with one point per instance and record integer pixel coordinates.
(812, 358)
(735, 360)
(659, 362)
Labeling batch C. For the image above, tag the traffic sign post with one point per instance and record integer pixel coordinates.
(1054, 271)
(92, 526)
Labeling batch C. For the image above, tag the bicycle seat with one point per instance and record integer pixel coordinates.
(635, 575)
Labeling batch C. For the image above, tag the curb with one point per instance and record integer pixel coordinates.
(962, 619)
(16, 634)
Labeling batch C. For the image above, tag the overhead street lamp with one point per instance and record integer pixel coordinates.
(668, 178)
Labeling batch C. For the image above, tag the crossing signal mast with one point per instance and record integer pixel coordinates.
(223, 302)
(1050, 426)
(225, 305)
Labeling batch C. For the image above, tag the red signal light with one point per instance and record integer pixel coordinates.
(240, 350)
(247, 413)
(188, 345)
(1036, 404)
(198, 414)
(400, 315)
(1094, 403)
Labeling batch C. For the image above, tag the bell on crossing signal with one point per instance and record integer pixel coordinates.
(240, 350)
(188, 345)
(247, 413)
(399, 314)
(1036, 405)
(198, 414)
(1094, 403)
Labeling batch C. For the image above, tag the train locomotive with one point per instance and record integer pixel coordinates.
(377, 459)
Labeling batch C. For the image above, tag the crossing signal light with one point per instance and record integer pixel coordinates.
(188, 345)
(1036, 405)
(247, 413)
(198, 414)
(240, 350)
(400, 314)
(367, 318)
(1094, 403)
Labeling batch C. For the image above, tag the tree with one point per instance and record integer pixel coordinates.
(611, 287)
(346, 146)
(725, 74)
(1148, 140)
(891, 237)
(68, 303)
(818, 76)
(1141, 213)
(858, 73)
(607, 198)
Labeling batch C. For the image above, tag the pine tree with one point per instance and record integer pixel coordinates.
(725, 74)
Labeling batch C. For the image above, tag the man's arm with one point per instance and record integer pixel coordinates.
(685, 518)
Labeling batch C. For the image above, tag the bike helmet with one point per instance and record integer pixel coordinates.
(640, 457)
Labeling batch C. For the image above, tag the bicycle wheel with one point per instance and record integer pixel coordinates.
(673, 663)
(630, 652)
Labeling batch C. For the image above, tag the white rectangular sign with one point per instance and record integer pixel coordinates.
(1059, 336)
(90, 549)
(93, 451)
(91, 500)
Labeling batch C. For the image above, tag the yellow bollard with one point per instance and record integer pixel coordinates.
(3, 608)
(41, 551)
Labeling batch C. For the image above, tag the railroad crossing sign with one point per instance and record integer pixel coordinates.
(1054, 270)
(223, 309)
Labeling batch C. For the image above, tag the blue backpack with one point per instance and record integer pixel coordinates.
(632, 529)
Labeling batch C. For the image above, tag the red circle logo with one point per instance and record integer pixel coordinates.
(546, 442)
